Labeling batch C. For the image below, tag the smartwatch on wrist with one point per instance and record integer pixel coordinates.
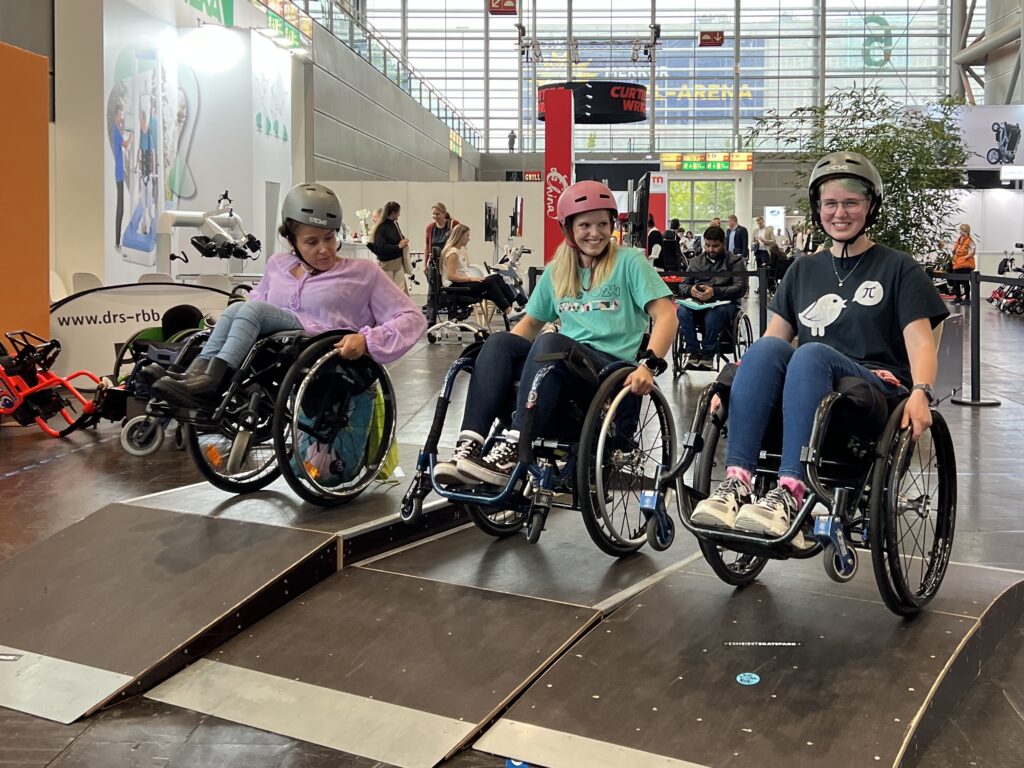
(656, 365)
(928, 391)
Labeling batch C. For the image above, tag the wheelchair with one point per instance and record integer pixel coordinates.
(453, 301)
(732, 342)
(297, 409)
(31, 393)
(883, 492)
(607, 452)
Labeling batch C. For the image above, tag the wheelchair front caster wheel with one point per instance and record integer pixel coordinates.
(660, 537)
(142, 436)
(179, 438)
(535, 525)
(834, 567)
(411, 511)
(431, 338)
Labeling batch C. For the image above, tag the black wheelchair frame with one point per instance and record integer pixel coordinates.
(740, 337)
(549, 467)
(454, 301)
(864, 501)
(256, 419)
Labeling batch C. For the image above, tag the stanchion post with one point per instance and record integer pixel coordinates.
(976, 398)
(762, 298)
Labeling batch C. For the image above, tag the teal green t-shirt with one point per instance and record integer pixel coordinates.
(611, 317)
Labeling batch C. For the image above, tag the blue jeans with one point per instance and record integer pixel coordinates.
(716, 319)
(241, 325)
(506, 359)
(772, 369)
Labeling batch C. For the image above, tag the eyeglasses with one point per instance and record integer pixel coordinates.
(831, 206)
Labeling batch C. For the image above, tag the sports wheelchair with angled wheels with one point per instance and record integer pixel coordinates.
(293, 407)
(882, 492)
(610, 448)
(732, 342)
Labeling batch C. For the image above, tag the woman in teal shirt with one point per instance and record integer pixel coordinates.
(603, 297)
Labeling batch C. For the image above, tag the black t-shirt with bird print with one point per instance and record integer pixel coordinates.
(859, 305)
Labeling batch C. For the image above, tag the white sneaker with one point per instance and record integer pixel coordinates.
(770, 515)
(447, 472)
(719, 509)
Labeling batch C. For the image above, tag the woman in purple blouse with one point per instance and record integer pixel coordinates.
(311, 289)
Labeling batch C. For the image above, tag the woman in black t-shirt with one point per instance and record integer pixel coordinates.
(859, 309)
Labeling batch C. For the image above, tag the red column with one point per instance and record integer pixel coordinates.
(558, 161)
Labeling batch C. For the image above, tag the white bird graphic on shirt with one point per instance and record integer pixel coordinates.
(823, 312)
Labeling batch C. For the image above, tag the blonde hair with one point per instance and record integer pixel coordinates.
(453, 239)
(565, 278)
(966, 229)
(379, 213)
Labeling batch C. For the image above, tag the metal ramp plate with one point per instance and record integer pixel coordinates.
(128, 596)
(794, 670)
(389, 667)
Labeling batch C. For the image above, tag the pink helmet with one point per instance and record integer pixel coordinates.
(582, 197)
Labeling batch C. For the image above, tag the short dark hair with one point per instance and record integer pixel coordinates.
(715, 233)
(674, 224)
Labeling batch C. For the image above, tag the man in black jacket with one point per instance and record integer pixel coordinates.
(727, 284)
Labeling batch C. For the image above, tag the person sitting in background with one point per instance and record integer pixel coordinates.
(716, 299)
(307, 289)
(455, 270)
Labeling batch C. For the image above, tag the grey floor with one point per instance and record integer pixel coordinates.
(47, 485)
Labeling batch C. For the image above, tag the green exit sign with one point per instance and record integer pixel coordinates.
(695, 165)
(718, 165)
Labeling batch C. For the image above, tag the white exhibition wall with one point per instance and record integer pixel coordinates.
(217, 105)
(996, 217)
(465, 201)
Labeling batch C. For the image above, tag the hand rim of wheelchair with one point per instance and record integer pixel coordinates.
(593, 503)
(286, 424)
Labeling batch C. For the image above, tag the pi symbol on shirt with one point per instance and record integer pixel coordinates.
(869, 293)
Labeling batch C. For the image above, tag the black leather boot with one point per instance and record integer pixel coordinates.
(196, 391)
(154, 371)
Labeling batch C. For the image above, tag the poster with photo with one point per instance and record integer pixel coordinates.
(993, 134)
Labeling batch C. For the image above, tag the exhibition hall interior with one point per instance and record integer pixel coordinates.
(489, 383)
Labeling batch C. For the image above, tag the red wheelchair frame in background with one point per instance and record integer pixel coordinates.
(32, 361)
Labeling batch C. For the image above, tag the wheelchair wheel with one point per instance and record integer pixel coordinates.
(913, 510)
(142, 436)
(499, 523)
(742, 336)
(624, 440)
(334, 423)
(236, 455)
(734, 568)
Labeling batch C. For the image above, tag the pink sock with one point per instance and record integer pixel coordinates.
(796, 488)
(743, 474)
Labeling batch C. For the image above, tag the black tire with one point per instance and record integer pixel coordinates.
(743, 336)
(993, 156)
(832, 565)
(535, 525)
(659, 539)
(499, 523)
(624, 473)
(734, 568)
(318, 360)
(926, 468)
(210, 451)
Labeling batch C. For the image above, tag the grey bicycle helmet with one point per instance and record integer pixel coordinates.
(839, 165)
(312, 204)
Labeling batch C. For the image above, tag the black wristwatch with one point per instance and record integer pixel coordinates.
(656, 365)
(928, 391)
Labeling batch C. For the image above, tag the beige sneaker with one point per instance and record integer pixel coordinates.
(770, 515)
(719, 509)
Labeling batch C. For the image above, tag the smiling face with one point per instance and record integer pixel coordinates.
(318, 247)
(592, 232)
(843, 213)
(438, 216)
